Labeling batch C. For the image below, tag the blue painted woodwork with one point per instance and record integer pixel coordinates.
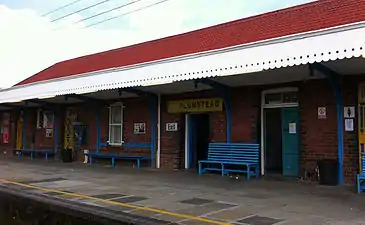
(244, 157)
(360, 178)
(34, 152)
(114, 157)
(336, 81)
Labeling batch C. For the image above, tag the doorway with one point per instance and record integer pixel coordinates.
(198, 138)
(273, 141)
(280, 149)
(281, 141)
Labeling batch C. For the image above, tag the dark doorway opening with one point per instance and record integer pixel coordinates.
(200, 138)
(273, 141)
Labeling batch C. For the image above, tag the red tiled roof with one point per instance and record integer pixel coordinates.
(303, 18)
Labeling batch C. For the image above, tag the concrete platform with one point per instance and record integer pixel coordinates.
(185, 197)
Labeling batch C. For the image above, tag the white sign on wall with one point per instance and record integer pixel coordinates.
(171, 127)
(349, 124)
(322, 113)
(292, 128)
(349, 112)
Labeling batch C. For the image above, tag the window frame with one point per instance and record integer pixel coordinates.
(110, 124)
(40, 114)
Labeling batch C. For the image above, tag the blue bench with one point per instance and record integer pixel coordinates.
(245, 157)
(113, 157)
(34, 152)
(361, 176)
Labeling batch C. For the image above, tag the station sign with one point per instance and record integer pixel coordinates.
(195, 105)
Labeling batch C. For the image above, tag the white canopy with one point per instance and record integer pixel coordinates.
(318, 46)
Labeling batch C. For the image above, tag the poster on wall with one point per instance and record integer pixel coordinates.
(139, 128)
(292, 128)
(349, 124)
(48, 119)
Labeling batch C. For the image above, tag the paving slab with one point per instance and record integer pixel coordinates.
(185, 197)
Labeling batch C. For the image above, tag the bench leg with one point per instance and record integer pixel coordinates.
(257, 172)
(46, 157)
(223, 170)
(138, 163)
(91, 159)
(248, 173)
(199, 169)
(19, 153)
(113, 162)
(358, 184)
(31, 156)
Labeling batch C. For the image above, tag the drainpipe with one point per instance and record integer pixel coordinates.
(158, 160)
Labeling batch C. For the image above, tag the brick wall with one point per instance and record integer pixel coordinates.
(319, 136)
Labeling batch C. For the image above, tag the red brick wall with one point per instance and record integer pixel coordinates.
(319, 136)
(245, 115)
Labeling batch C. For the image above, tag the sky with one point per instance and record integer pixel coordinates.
(32, 39)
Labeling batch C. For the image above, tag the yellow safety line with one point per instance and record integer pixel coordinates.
(144, 208)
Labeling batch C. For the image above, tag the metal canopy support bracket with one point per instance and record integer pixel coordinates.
(153, 108)
(83, 98)
(42, 104)
(336, 81)
(137, 92)
(7, 105)
(225, 92)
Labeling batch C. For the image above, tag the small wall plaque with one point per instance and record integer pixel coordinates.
(171, 127)
(139, 128)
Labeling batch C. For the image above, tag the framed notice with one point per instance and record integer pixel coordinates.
(49, 132)
(292, 128)
(322, 113)
(139, 128)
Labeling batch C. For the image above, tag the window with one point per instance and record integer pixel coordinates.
(116, 124)
(281, 98)
(45, 119)
(48, 119)
(39, 119)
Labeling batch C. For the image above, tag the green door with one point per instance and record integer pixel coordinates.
(290, 141)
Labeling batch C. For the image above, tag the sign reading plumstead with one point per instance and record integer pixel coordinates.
(195, 105)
